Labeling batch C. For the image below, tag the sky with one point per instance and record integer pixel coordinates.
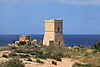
(27, 16)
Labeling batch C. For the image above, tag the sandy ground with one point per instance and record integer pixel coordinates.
(66, 62)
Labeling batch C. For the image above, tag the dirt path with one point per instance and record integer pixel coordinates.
(47, 63)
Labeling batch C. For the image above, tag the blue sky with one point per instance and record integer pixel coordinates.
(27, 16)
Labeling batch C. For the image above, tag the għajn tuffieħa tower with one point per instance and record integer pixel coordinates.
(53, 32)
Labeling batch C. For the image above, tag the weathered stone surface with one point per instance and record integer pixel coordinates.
(53, 32)
(25, 38)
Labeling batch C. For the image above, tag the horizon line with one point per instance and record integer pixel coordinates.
(43, 34)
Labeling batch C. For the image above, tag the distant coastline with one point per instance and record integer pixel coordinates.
(70, 39)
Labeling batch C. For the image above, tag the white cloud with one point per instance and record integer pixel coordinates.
(74, 2)
(80, 2)
(85, 2)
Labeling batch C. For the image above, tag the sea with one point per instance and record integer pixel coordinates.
(70, 40)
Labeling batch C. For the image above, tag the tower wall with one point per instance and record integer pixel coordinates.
(25, 38)
(53, 32)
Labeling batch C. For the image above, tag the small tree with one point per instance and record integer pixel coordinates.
(22, 43)
(97, 46)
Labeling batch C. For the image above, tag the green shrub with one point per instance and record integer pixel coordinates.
(15, 62)
(53, 62)
(48, 56)
(57, 58)
(29, 59)
(18, 51)
(23, 51)
(42, 56)
(22, 43)
(34, 53)
(97, 46)
(39, 61)
(68, 55)
(60, 54)
(14, 47)
(23, 56)
(5, 56)
(27, 51)
(12, 54)
(81, 65)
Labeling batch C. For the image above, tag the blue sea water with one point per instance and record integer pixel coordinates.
(70, 40)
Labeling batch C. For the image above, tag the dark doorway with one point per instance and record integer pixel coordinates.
(59, 42)
(58, 29)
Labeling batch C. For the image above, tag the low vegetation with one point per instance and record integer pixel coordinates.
(57, 58)
(89, 55)
(22, 43)
(97, 46)
(81, 65)
(15, 62)
(39, 61)
(53, 62)
(5, 56)
(29, 59)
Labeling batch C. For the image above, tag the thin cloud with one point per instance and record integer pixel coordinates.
(80, 2)
(8, 0)
(85, 2)
(73, 2)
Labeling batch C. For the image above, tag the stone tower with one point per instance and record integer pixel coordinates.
(53, 32)
(25, 38)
